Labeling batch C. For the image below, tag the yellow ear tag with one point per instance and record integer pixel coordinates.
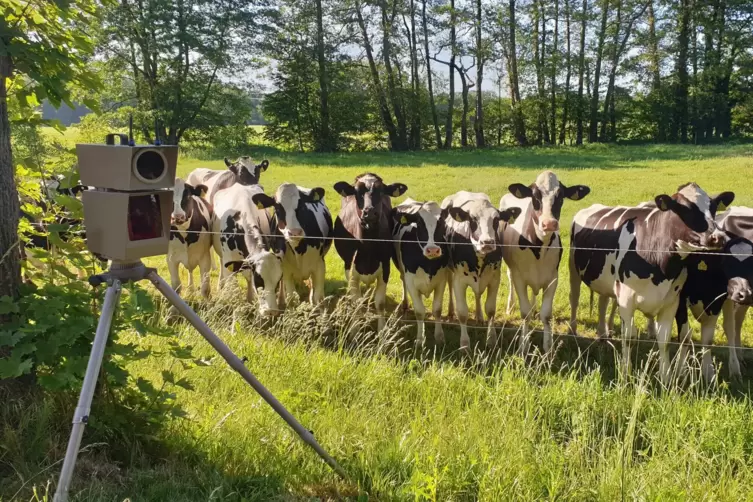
(702, 266)
(457, 218)
(396, 193)
(259, 205)
(663, 206)
(316, 197)
(575, 196)
(721, 207)
(404, 220)
(518, 194)
(511, 221)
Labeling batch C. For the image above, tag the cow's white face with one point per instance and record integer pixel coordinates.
(547, 195)
(483, 220)
(696, 210)
(268, 266)
(289, 201)
(427, 221)
(178, 216)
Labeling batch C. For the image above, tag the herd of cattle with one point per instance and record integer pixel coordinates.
(682, 251)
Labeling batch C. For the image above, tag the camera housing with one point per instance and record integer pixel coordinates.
(127, 215)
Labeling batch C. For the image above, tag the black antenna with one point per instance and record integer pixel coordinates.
(157, 141)
(130, 130)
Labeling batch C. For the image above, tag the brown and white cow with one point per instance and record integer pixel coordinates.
(247, 242)
(474, 229)
(639, 255)
(243, 171)
(532, 246)
(363, 235)
(303, 218)
(190, 235)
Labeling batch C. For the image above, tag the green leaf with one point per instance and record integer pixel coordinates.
(9, 338)
(168, 377)
(8, 305)
(14, 367)
(183, 382)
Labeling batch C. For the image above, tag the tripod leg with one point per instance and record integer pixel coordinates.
(306, 435)
(81, 415)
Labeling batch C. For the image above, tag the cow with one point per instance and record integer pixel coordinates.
(303, 218)
(422, 258)
(363, 235)
(190, 235)
(243, 171)
(532, 247)
(640, 255)
(472, 229)
(246, 241)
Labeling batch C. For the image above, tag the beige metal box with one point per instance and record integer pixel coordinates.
(129, 168)
(127, 225)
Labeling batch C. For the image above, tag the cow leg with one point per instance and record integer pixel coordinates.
(602, 330)
(729, 314)
(663, 333)
(683, 332)
(205, 267)
(380, 298)
(250, 289)
(317, 283)
(510, 293)
(436, 310)
(547, 302)
(404, 303)
(708, 325)
(651, 327)
(626, 316)
(575, 282)
(418, 308)
(526, 309)
(287, 288)
(491, 309)
(479, 312)
(610, 324)
(174, 267)
(458, 288)
(451, 292)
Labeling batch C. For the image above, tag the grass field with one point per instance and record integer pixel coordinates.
(435, 426)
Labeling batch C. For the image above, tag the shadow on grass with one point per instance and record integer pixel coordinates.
(589, 156)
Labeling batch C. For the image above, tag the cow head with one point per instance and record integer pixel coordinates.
(547, 194)
(483, 221)
(182, 193)
(430, 228)
(372, 197)
(53, 186)
(289, 203)
(738, 269)
(696, 210)
(246, 172)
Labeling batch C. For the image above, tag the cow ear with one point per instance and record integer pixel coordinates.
(200, 190)
(78, 189)
(664, 202)
(722, 201)
(395, 189)
(263, 200)
(510, 214)
(576, 192)
(458, 214)
(264, 165)
(402, 217)
(344, 188)
(227, 162)
(316, 194)
(520, 191)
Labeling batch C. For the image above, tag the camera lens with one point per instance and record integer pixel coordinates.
(150, 166)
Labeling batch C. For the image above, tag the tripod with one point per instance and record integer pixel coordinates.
(123, 272)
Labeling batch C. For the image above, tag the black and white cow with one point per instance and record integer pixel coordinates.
(303, 218)
(421, 257)
(243, 171)
(473, 231)
(363, 235)
(640, 255)
(246, 241)
(190, 235)
(532, 246)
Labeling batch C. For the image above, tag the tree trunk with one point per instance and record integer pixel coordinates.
(415, 130)
(593, 128)
(654, 68)
(479, 123)
(429, 82)
(567, 77)
(581, 68)
(519, 125)
(397, 105)
(680, 127)
(10, 265)
(612, 73)
(553, 84)
(384, 108)
(539, 55)
(466, 108)
(324, 142)
(694, 104)
(451, 98)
